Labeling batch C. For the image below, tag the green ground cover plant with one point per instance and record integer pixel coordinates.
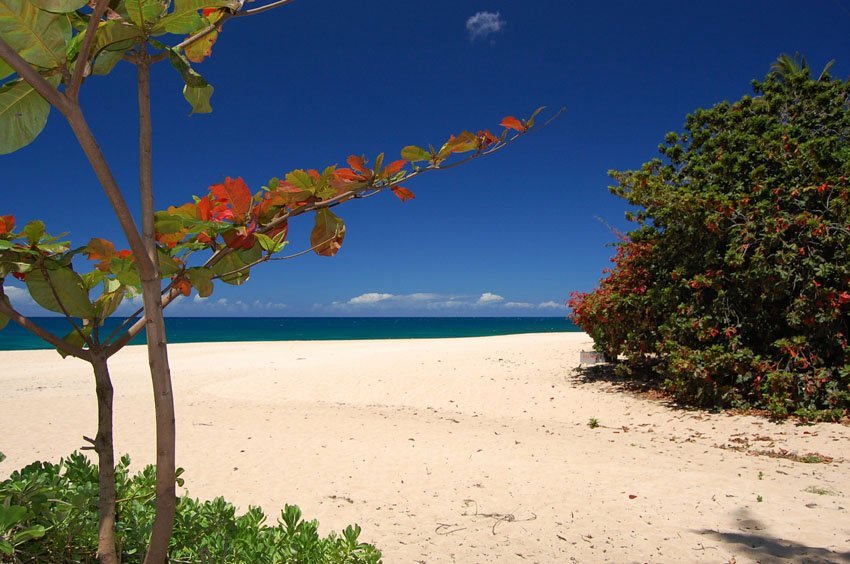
(733, 289)
(49, 514)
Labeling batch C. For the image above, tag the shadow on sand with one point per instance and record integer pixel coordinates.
(755, 542)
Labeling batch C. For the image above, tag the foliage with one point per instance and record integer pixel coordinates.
(237, 229)
(734, 287)
(49, 513)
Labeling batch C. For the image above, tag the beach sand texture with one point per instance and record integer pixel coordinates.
(457, 450)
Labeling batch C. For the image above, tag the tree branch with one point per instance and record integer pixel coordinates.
(261, 9)
(372, 190)
(39, 331)
(73, 89)
(218, 25)
(113, 192)
(34, 79)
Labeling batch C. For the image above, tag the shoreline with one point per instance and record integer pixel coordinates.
(464, 449)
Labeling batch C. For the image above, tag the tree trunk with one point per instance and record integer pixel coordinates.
(166, 494)
(103, 446)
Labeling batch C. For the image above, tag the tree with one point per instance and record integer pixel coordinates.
(734, 288)
(50, 47)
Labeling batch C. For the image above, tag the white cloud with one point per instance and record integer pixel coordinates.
(370, 298)
(18, 296)
(551, 305)
(489, 299)
(519, 305)
(483, 24)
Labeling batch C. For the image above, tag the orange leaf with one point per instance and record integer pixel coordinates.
(358, 164)
(328, 233)
(102, 251)
(513, 123)
(403, 193)
(183, 286)
(7, 223)
(394, 167)
(235, 193)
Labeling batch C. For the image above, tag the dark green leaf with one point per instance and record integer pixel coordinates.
(61, 288)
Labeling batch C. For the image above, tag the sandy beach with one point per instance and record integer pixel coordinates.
(458, 450)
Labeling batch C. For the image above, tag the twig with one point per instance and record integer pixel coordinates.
(73, 89)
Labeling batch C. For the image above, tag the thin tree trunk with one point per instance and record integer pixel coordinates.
(103, 446)
(166, 495)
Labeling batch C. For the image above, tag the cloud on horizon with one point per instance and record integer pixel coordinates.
(427, 301)
(483, 24)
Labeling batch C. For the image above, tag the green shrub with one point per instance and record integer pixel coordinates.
(734, 287)
(49, 513)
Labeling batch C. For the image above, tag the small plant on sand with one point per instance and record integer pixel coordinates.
(759, 499)
(48, 515)
(593, 423)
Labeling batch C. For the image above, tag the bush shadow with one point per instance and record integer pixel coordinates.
(755, 542)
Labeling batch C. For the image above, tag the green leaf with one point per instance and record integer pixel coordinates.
(167, 223)
(189, 75)
(201, 280)
(4, 319)
(76, 339)
(39, 37)
(11, 516)
(413, 154)
(225, 270)
(5, 69)
(167, 266)
(300, 179)
(34, 231)
(143, 12)
(23, 114)
(59, 6)
(198, 98)
(46, 285)
(185, 19)
(106, 61)
(30, 533)
(116, 35)
(108, 302)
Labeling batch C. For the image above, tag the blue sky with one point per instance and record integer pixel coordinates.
(308, 84)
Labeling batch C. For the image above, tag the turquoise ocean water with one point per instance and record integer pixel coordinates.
(218, 329)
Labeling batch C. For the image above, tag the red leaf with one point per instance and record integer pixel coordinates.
(403, 193)
(358, 164)
(235, 193)
(348, 175)
(394, 167)
(7, 223)
(632, 496)
(513, 123)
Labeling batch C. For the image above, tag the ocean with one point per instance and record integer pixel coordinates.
(222, 329)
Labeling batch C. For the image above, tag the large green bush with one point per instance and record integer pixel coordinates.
(49, 514)
(734, 287)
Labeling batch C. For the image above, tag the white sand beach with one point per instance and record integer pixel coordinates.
(457, 450)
